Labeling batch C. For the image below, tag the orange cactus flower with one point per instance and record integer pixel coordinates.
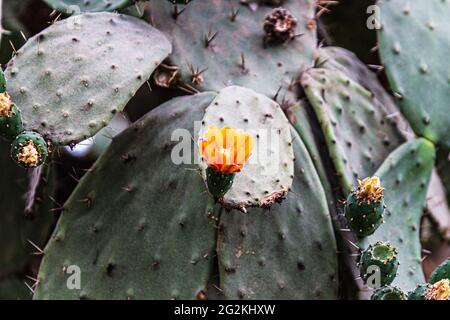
(225, 150)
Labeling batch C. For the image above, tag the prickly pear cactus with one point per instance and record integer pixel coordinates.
(111, 56)
(409, 31)
(327, 162)
(202, 33)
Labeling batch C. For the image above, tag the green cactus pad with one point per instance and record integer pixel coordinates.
(441, 272)
(267, 176)
(414, 44)
(288, 252)
(149, 235)
(69, 101)
(336, 58)
(227, 39)
(405, 175)
(11, 126)
(70, 7)
(363, 218)
(388, 293)
(23, 156)
(384, 257)
(358, 133)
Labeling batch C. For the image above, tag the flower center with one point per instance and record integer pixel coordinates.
(370, 190)
(5, 105)
(29, 155)
(440, 290)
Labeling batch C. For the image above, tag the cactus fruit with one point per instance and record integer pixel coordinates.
(10, 118)
(407, 34)
(112, 55)
(388, 293)
(218, 183)
(437, 291)
(364, 207)
(419, 293)
(279, 26)
(382, 256)
(29, 149)
(267, 176)
(441, 272)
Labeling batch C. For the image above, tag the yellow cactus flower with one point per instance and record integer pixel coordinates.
(5, 105)
(440, 290)
(225, 150)
(29, 155)
(370, 189)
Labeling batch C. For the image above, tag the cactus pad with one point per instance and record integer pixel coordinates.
(287, 252)
(405, 175)
(203, 33)
(133, 238)
(77, 6)
(414, 45)
(111, 56)
(267, 176)
(358, 133)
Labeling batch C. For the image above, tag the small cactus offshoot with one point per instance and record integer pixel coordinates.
(29, 149)
(225, 151)
(388, 293)
(365, 207)
(382, 258)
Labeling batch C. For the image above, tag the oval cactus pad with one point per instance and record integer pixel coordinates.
(70, 79)
(267, 176)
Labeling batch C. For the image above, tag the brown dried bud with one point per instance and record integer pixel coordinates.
(279, 26)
